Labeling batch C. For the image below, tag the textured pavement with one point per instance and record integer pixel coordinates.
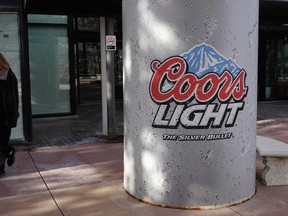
(85, 127)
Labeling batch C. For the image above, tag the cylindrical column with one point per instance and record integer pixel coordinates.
(190, 101)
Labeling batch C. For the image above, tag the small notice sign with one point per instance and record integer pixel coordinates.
(110, 42)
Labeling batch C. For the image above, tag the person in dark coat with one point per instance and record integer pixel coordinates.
(9, 104)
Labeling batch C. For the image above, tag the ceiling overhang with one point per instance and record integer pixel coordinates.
(275, 10)
(75, 7)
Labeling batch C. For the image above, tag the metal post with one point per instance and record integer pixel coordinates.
(110, 84)
(190, 101)
(103, 76)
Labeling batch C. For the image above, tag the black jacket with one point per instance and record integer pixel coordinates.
(10, 100)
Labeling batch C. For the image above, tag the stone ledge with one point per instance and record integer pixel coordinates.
(268, 147)
(275, 159)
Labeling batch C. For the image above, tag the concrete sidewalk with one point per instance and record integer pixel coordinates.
(87, 180)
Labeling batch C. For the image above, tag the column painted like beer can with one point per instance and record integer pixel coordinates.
(190, 101)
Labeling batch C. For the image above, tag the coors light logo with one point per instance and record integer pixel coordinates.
(199, 89)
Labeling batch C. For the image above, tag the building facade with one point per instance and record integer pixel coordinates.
(58, 54)
(273, 51)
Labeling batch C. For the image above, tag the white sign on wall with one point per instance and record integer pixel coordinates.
(110, 42)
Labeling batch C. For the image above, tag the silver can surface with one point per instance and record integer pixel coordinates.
(190, 101)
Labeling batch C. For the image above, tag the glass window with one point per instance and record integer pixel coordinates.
(88, 24)
(49, 70)
(52, 19)
(277, 62)
(10, 47)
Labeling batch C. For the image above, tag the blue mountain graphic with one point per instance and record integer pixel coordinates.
(203, 59)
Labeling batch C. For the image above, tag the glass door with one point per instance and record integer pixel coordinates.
(49, 65)
(89, 73)
(88, 65)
